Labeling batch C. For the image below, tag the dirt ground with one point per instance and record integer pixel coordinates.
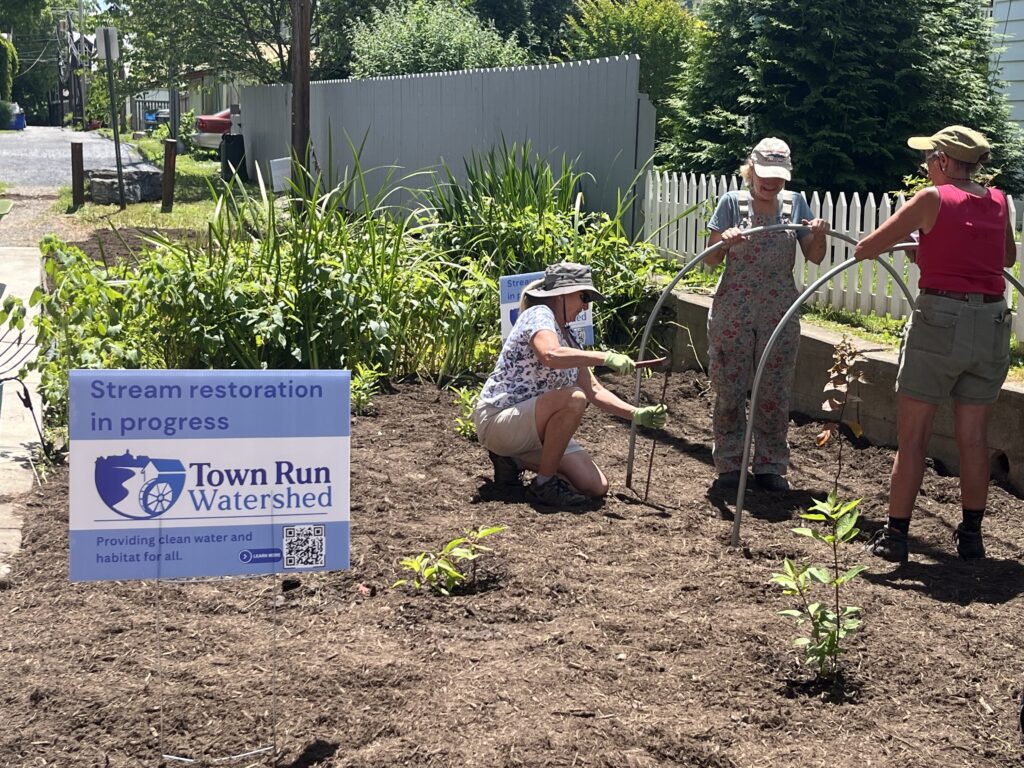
(626, 635)
(35, 215)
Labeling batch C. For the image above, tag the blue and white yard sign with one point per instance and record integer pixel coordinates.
(208, 473)
(511, 290)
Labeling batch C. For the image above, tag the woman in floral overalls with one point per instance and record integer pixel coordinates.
(754, 293)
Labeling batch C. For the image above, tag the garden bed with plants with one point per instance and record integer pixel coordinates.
(627, 634)
(623, 635)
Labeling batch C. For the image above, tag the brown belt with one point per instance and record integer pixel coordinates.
(988, 298)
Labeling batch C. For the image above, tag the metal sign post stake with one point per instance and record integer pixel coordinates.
(108, 55)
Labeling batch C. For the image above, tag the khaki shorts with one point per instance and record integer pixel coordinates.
(512, 431)
(955, 348)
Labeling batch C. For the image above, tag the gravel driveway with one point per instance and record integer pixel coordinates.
(41, 156)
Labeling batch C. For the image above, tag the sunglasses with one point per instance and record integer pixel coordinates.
(586, 297)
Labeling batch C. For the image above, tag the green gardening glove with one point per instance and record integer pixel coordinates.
(651, 416)
(619, 363)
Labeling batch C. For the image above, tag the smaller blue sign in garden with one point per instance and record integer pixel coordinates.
(511, 287)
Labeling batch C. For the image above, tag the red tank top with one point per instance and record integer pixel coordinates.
(964, 250)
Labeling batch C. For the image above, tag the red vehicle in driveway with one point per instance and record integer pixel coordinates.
(210, 129)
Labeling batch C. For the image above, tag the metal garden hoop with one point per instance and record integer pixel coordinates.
(748, 434)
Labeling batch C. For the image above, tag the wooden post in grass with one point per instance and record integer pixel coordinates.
(170, 159)
(77, 175)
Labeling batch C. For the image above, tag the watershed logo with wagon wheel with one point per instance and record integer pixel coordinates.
(139, 487)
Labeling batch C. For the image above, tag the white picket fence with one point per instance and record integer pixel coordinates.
(866, 288)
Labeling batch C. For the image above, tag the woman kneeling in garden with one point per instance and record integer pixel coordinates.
(533, 403)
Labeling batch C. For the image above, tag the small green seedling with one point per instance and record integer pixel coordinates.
(828, 622)
(364, 388)
(465, 398)
(445, 571)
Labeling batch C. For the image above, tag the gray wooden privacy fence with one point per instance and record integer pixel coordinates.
(590, 110)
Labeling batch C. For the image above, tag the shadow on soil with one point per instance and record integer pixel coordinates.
(313, 755)
(951, 580)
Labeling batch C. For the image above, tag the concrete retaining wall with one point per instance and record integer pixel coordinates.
(878, 409)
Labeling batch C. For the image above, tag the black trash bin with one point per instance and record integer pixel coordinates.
(232, 157)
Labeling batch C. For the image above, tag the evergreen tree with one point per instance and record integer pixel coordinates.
(845, 82)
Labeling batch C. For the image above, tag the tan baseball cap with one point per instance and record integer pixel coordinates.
(771, 159)
(957, 141)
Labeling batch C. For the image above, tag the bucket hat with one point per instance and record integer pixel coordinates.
(958, 141)
(565, 277)
(772, 159)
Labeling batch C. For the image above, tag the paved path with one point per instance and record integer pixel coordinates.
(19, 270)
(40, 156)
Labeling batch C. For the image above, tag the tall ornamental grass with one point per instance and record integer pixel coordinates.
(511, 213)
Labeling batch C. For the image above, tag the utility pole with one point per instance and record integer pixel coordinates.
(301, 20)
(84, 87)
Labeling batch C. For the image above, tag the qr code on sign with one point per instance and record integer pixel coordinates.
(304, 546)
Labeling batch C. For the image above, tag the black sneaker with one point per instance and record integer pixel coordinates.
(889, 544)
(771, 481)
(556, 493)
(727, 480)
(969, 543)
(507, 471)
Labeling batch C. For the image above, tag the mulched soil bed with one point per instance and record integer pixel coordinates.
(121, 246)
(626, 635)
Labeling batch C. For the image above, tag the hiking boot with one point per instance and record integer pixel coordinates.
(969, 543)
(507, 471)
(771, 481)
(556, 493)
(889, 544)
(727, 480)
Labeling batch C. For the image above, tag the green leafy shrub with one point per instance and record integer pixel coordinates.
(8, 68)
(6, 115)
(660, 31)
(445, 571)
(828, 623)
(429, 36)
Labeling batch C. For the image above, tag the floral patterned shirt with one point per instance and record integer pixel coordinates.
(519, 375)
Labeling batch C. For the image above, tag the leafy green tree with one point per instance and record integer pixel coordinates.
(332, 29)
(250, 39)
(660, 31)
(8, 66)
(429, 36)
(535, 23)
(19, 15)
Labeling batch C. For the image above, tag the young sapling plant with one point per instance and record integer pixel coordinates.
(452, 567)
(364, 388)
(465, 399)
(828, 621)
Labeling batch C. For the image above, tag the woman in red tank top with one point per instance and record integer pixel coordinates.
(957, 341)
